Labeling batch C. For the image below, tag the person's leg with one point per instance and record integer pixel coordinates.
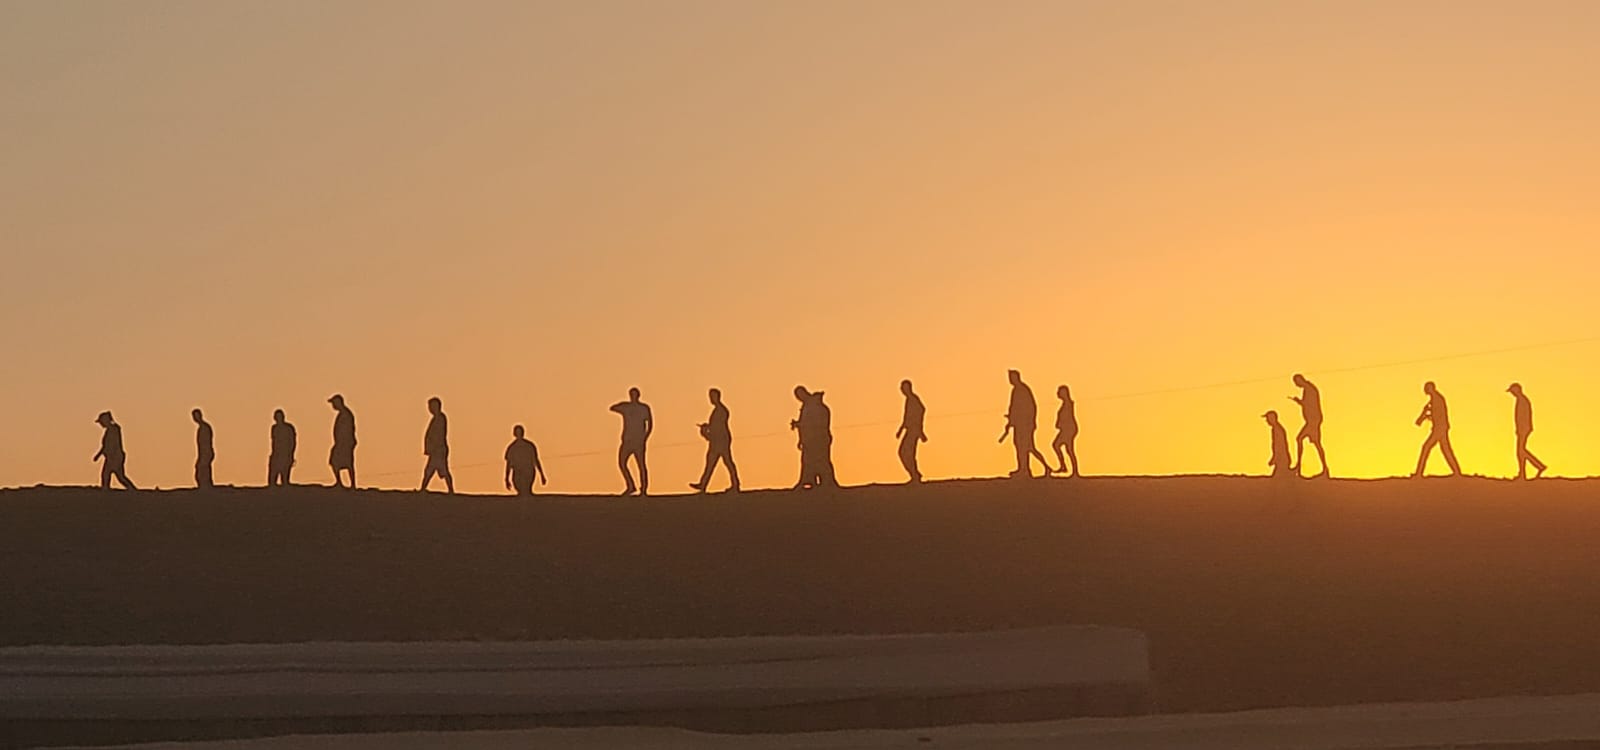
(105, 475)
(1449, 455)
(449, 480)
(427, 476)
(122, 478)
(916, 469)
(1024, 464)
(1033, 451)
(705, 474)
(627, 474)
(1522, 456)
(644, 470)
(1057, 446)
(1072, 453)
(1422, 461)
(908, 456)
(806, 466)
(733, 470)
(1322, 457)
(289, 467)
(1299, 452)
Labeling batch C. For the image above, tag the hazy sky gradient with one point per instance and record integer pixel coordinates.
(525, 208)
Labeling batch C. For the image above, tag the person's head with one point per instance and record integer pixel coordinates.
(905, 387)
(800, 393)
(337, 401)
(1271, 417)
(435, 405)
(1014, 376)
(518, 433)
(715, 394)
(197, 416)
(1300, 380)
(633, 394)
(1429, 388)
(105, 420)
(1515, 389)
(278, 416)
(1064, 393)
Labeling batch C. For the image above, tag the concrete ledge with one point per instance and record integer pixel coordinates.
(1525, 723)
(57, 695)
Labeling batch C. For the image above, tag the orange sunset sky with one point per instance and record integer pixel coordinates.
(527, 207)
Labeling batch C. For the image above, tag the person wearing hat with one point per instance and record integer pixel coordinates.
(814, 426)
(1524, 420)
(116, 459)
(1281, 463)
(343, 456)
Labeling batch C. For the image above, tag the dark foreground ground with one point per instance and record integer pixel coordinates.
(1254, 593)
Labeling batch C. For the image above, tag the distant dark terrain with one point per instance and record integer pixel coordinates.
(1254, 592)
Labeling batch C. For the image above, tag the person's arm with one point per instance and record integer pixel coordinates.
(1007, 432)
(508, 469)
(1427, 411)
(617, 407)
(649, 422)
(1297, 400)
(538, 467)
(294, 445)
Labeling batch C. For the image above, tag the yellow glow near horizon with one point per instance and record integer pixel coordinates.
(526, 208)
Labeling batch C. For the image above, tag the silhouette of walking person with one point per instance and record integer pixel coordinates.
(1066, 431)
(522, 463)
(342, 458)
(1280, 462)
(637, 424)
(1310, 401)
(436, 446)
(285, 441)
(911, 431)
(815, 428)
(1524, 421)
(205, 451)
(116, 459)
(1022, 421)
(719, 444)
(1437, 412)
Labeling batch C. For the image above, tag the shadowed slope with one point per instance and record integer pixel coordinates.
(1253, 592)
